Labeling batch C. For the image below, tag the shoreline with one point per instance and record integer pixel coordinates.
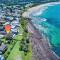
(42, 7)
(38, 9)
(36, 38)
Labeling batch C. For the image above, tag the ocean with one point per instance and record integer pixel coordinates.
(49, 23)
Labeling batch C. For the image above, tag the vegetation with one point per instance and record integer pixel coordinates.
(24, 43)
(14, 2)
(10, 47)
(15, 53)
(9, 38)
(20, 45)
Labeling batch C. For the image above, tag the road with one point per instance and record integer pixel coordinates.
(40, 46)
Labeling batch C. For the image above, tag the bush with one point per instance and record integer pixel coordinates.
(24, 45)
(25, 30)
(6, 55)
(27, 40)
(8, 52)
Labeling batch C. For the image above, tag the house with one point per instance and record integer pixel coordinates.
(3, 48)
(14, 31)
(6, 23)
(12, 26)
(1, 28)
(2, 57)
(3, 32)
(15, 22)
(2, 21)
(1, 36)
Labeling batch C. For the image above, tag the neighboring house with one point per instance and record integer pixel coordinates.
(2, 21)
(2, 57)
(3, 48)
(1, 36)
(1, 28)
(3, 32)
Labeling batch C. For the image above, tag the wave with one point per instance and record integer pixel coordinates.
(40, 11)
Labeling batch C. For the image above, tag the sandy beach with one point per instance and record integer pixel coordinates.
(37, 10)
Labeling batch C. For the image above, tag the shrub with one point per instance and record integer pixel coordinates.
(6, 55)
(8, 52)
(27, 40)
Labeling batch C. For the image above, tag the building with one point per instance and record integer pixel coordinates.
(3, 48)
(2, 57)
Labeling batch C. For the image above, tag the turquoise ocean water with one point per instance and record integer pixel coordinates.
(50, 27)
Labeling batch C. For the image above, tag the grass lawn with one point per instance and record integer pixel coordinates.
(15, 53)
(18, 37)
(29, 54)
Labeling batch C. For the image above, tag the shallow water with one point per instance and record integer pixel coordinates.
(50, 27)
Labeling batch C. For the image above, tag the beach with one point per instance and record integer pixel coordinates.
(36, 38)
(40, 46)
(39, 8)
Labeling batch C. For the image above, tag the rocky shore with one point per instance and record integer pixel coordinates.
(40, 46)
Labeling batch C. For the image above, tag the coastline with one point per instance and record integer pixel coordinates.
(40, 44)
(39, 8)
(42, 7)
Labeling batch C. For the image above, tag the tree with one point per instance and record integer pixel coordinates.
(9, 37)
(0, 42)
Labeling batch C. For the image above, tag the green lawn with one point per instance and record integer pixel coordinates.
(18, 37)
(15, 53)
(29, 54)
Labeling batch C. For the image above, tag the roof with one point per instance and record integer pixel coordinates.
(1, 36)
(2, 32)
(1, 57)
(1, 28)
(2, 21)
(3, 47)
(14, 30)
